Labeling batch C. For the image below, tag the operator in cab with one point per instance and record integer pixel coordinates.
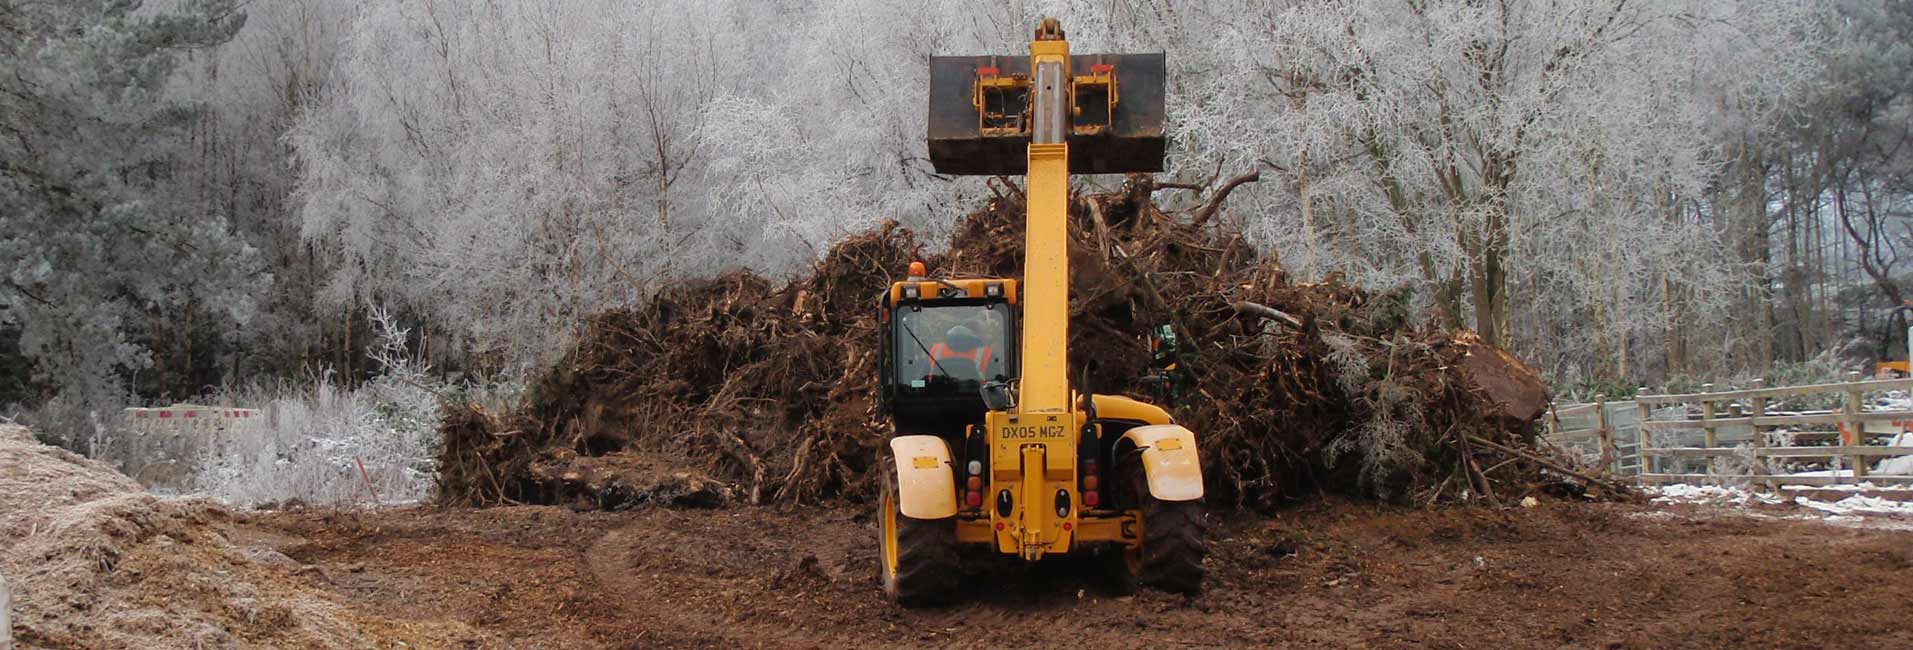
(963, 354)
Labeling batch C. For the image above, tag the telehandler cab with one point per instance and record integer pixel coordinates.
(993, 447)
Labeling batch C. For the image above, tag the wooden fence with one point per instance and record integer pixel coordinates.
(1735, 424)
(1595, 433)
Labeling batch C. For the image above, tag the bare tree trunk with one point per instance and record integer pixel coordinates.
(1621, 365)
(345, 348)
(190, 376)
(1489, 280)
(1754, 190)
(1487, 262)
(1877, 266)
(1303, 196)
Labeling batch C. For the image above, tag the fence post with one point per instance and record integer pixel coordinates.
(1709, 438)
(1760, 432)
(1609, 457)
(1640, 430)
(1855, 428)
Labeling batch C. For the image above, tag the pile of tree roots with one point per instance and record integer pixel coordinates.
(735, 387)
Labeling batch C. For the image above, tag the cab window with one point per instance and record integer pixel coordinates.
(967, 343)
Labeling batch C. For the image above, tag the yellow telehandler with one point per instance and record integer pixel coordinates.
(993, 447)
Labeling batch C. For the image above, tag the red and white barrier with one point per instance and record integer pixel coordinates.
(182, 417)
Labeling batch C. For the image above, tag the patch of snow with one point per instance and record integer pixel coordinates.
(1843, 473)
(1865, 522)
(1685, 493)
(1856, 511)
(1859, 504)
(1898, 465)
(1869, 523)
(1863, 486)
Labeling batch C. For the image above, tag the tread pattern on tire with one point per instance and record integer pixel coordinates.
(927, 569)
(926, 561)
(1173, 546)
(1175, 536)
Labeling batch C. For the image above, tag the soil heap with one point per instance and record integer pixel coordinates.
(93, 561)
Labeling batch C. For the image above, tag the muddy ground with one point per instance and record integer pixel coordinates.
(1330, 575)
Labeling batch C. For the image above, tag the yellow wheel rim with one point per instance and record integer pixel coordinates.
(889, 536)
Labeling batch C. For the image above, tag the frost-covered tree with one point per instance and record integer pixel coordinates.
(252, 88)
(1613, 187)
(509, 168)
(1494, 154)
(103, 247)
(1486, 153)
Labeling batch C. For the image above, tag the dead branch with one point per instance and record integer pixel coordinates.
(734, 447)
(1193, 187)
(1009, 187)
(1265, 311)
(1607, 484)
(796, 470)
(1208, 210)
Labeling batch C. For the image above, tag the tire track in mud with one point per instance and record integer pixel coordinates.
(699, 579)
(782, 581)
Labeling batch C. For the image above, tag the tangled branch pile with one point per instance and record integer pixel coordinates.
(768, 391)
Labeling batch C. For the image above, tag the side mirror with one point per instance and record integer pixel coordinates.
(996, 395)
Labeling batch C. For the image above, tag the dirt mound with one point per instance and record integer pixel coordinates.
(1292, 386)
(94, 562)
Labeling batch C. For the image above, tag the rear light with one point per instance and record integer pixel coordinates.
(975, 483)
(976, 467)
(1091, 499)
(1089, 466)
(974, 499)
(1089, 482)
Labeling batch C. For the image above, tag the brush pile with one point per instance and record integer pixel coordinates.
(737, 388)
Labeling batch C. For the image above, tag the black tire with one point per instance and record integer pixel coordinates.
(1173, 546)
(1175, 538)
(924, 572)
(1109, 572)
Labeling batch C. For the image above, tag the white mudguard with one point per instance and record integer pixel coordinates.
(1169, 461)
(926, 484)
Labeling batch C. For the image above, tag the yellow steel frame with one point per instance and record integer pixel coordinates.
(979, 98)
(1033, 446)
(929, 290)
(1104, 82)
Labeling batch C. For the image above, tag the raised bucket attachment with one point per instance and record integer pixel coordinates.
(980, 114)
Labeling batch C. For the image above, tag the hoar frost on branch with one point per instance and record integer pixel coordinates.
(1515, 160)
(508, 168)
